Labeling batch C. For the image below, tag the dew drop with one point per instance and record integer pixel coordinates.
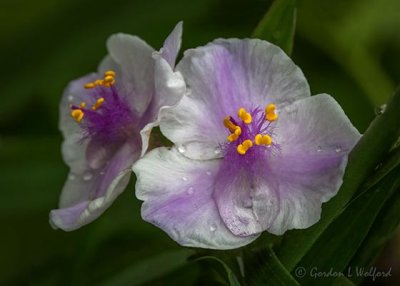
(70, 98)
(190, 191)
(71, 177)
(380, 110)
(181, 149)
(184, 178)
(87, 176)
(217, 151)
(338, 149)
(213, 227)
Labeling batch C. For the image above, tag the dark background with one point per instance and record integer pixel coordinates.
(349, 49)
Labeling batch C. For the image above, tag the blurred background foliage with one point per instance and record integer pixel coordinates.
(349, 49)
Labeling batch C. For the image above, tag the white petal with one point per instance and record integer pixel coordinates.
(134, 57)
(222, 77)
(180, 200)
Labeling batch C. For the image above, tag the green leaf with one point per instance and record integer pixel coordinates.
(340, 241)
(278, 25)
(367, 154)
(233, 281)
(269, 271)
(150, 269)
(382, 230)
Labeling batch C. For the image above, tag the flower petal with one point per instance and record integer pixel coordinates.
(134, 57)
(172, 45)
(222, 77)
(180, 200)
(86, 195)
(286, 190)
(169, 89)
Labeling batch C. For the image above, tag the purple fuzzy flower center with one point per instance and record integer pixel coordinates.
(105, 116)
(250, 134)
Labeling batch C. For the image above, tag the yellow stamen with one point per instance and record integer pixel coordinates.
(90, 85)
(108, 81)
(77, 114)
(263, 139)
(228, 124)
(235, 135)
(82, 105)
(244, 147)
(271, 117)
(245, 116)
(98, 103)
(270, 108)
(270, 113)
(109, 73)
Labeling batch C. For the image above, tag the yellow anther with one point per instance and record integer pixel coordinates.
(270, 108)
(109, 73)
(82, 105)
(247, 143)
(270, 113)
(90, 85)
(244, 147)
(245, 116)
(235, 135)
(109, 80)
(98, 103)
(271, 116)
(228, 124)
(77, 114)
(263, 139)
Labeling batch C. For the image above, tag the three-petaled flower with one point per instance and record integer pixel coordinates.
(253, 150)
(106, 120)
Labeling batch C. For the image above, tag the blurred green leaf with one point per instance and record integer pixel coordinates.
(367, 154)
(342, 281)
(268, 270)
(381, 232)
(233, 281)
(340, 241)
(279, 24)
(150, 269)
(350, 32)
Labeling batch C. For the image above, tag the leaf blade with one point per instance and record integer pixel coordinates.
(278, 25)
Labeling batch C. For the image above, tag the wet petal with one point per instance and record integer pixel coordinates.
(224, 76)
(88, 193)
(285, 190)
(180, 200)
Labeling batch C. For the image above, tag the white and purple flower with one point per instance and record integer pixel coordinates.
(106, 119)
(253, 150)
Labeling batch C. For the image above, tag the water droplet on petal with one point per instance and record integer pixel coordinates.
(217, 151)
(181, 149)
(190, 191)
(319, 149)
(184, 178)
(71, 177)
(70, 98)
(87, 176)
(213, 227)
(338, 149)
(380, 110)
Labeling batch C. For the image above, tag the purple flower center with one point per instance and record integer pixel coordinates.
(105, 116)
(250, 134)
